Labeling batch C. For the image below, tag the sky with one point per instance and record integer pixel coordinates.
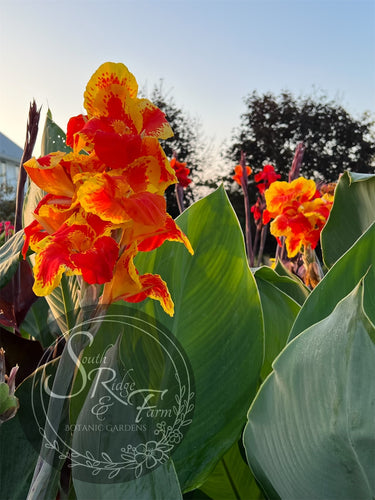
(210, 54)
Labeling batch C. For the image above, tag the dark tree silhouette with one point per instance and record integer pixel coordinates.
(272, 126)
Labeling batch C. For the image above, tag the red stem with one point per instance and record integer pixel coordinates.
(248, 237)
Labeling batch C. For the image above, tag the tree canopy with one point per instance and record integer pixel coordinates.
(272, 126)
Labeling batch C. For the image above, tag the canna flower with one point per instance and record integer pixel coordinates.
(299, 212)
(265, 178)
(181, 171)
(105, 200)
(238, 174)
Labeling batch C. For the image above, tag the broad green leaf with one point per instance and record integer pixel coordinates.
(10, 255)
(352, 213)
(279, 312)
(232, 479)
(339, 281)
(53, 137)
(160, 484)
(218, 322)
(311, 428)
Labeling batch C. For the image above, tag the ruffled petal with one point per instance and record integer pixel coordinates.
(103, 81)
(169, 231)
(129, 286)
(48, 173)
(154, 121)
(75, 249)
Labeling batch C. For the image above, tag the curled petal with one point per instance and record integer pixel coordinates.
(129, 286)
(48, 173)
(154, 288)
(34, 233)
(154, 121)
(151, 147)
(53, 211)
(169, 231)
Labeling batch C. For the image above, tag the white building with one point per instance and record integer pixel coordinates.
(10, 157)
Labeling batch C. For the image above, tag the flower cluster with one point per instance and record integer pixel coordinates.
(182, 172)
(299, 212)
(105, 199)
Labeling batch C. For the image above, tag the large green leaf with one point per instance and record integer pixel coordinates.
(311, 428)
(160, 484)
(338, 282)
(10, 254)
(232, 479)
(218, 322)
(279, 312)
(352, 213)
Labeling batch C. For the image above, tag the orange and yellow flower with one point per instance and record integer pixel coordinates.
(238, 173)
(105, 200)
(299, 212)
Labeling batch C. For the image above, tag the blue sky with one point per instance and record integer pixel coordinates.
(210, 53)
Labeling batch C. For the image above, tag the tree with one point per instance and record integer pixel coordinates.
(188, 143)
(335, 141)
